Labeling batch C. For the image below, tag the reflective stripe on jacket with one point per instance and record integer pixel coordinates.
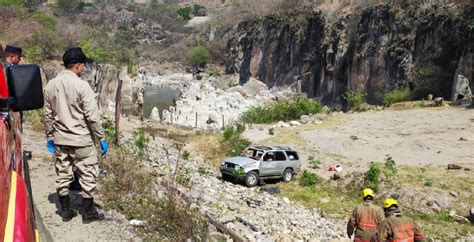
(364, 220)
(400, 229)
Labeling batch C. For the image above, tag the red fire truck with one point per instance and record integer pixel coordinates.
(20, 90)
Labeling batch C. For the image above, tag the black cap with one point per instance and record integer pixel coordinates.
(14, 50)
(75, 55)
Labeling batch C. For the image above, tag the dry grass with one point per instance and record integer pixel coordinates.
(208, 145)
(129, 187)
(417, 105)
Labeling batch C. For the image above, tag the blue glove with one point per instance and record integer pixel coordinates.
(50, 146)
(104, 146)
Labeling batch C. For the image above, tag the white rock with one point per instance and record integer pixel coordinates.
(295, 123)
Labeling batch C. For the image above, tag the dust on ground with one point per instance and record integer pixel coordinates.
(411, 137)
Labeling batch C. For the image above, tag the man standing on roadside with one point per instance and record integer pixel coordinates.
(13, 55)
(73, 123)
(365, 218)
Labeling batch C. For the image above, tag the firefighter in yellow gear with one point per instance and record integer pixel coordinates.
(397, 227)
(365, 218)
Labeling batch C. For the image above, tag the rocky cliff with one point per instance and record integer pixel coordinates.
(372, 49)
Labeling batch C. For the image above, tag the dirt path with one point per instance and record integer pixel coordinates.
(411, 137)
(46, 201)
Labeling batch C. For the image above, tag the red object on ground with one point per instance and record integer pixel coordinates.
(330, 168)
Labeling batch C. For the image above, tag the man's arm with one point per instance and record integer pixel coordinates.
(351, 224)
(419, 234)
(48, 116)
(91, 112)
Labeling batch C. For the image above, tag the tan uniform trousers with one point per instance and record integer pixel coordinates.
(86, 162)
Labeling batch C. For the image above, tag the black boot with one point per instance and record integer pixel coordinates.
(90, 214)
(66, 212)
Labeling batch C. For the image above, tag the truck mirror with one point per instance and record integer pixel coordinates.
(25, 87)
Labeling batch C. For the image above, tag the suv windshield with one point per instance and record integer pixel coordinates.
(254, 154)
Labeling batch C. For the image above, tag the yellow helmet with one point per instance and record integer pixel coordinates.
(367, 192)
(389, 202)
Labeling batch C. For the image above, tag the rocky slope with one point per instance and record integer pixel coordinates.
(372, 49)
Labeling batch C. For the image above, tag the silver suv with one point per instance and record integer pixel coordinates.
(262, 162)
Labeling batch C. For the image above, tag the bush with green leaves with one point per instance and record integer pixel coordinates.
(282, 111)
(185, 155)
(372, 176)
(109, 129)
(355, 100)
(96, 54)
(390, 167)
(199, 56)
(316, 164)
(233, 144)
(45, 20)
(11, 2)
(396, 96)
(308, 179)
(185, 13)
(141, 141)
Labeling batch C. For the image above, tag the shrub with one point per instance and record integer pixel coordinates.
(395, 96)
(308, 179)
(109, 129)
(96, 54)
(390, 167)
(199, 10)
(199, 56)
(11, 2)
(271, 131)
(184, 177)
(281, 111)
(45, 20)
(233, 144)
(355, 100)
(316, 164)
(185, 155)
(141, 142)
(372, 176)
(185, 13)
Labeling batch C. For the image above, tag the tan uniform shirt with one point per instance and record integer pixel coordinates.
(398, 228)
(365, 220)
(71, 114)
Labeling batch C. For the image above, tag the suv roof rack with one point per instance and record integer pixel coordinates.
(281, 148)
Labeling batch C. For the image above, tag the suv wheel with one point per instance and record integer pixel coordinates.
(287, 175)
(251, 179)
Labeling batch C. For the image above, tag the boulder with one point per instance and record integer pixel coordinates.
(295, 123)
(155, 114)
(461, 92)
(253, 87)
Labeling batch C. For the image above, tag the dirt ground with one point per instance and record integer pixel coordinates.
(411, 137)
(46, 202)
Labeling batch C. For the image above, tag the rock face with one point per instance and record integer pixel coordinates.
(372, 49)
(462, 94)
(103, 79)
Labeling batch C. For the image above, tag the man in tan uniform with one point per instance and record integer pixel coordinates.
(365, 218)
(73, 122)
(396, 227)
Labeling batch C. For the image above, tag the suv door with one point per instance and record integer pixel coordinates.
(281, 163)
(267, 164)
